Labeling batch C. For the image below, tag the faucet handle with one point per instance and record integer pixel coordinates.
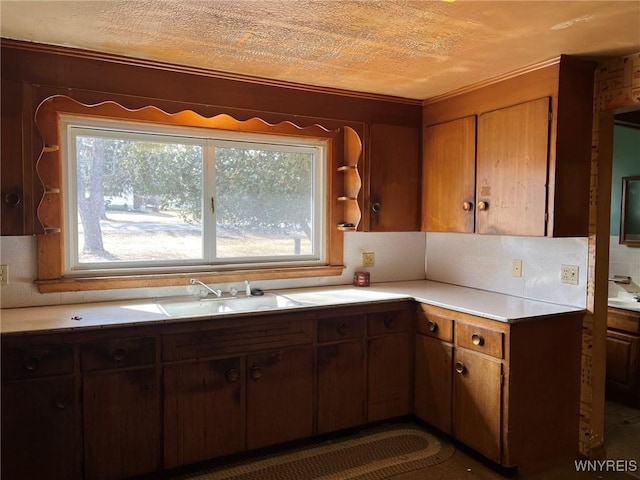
(233, 291)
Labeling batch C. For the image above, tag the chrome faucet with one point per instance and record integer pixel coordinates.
(217, 293)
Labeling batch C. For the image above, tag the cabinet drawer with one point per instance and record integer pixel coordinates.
(340, 328)
(222, 341)
(481, 340)
(435, 325)
(392, 321)
(122, 352)
(36, 361)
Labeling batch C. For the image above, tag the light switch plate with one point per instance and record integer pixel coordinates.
(516, 268)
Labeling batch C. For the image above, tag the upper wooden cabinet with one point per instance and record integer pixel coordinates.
(511, 157)
(394, 179)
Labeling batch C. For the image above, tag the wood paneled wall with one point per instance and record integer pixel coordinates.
(33, 72)
(617, 88)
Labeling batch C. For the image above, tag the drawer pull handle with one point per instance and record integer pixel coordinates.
(483, 206)
(376, 207)
(232, 375)
(460, 368)
(12, 199)
(256, 373)
(389, 322)
(467, 206)
(119, 354)
(432, 326)
(477, 340)
(32, 363)
(342, 329)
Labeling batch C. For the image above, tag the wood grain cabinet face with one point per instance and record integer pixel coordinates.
(279, 396)
(495, 184)
(204, 410)
(121, 408)
(389, 368)
(341, 373)
(623, 357)
(394, 183)
(40, 434)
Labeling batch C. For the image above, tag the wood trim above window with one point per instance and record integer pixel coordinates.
(343, 213)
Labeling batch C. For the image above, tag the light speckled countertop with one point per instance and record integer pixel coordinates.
(495, 306)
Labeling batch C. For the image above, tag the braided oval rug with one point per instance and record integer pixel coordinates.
(373, 455)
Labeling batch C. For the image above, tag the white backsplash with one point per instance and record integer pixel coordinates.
(477, 261)
(623, 260)
(484, 262)
(398, 256)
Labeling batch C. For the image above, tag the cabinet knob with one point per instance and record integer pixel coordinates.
(477, 339)
(342, 329)
(232, 375)
(376, 207)
(32, 363)
(467, 206)
(389, 322)
(12, 199)
(432, 326)
(460, 368)
(61, 401)
(483, 205)
(256, 373)
(119, 354)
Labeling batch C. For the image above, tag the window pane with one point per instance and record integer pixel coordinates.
(138, 200)
(264, 203)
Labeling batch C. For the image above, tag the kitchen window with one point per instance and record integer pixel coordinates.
(146, 198)
(153, 198)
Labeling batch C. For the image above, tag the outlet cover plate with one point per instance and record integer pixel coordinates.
(569, 274)
(4, 274)
(368, 259)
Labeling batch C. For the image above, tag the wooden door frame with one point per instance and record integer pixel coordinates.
(598, 274)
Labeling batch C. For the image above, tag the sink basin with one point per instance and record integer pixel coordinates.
(623, 302)
(195, 306)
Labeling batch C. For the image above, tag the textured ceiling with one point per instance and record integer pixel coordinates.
(413, 49)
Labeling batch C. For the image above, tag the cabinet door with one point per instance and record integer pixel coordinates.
(394, 178)
(512, 164)
(623, 377)
(477, 402)
(204, 411)
(121, 423)
(341, 386)
(448, 176)
(433, 382)
(279, 396)
(40, 431)
(389, 376)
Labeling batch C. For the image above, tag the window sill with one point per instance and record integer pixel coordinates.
(80, 284)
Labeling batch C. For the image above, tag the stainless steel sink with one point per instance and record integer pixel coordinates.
(196, 306)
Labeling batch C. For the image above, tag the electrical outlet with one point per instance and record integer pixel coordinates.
(516, 268)
(4, 274)
(569, 274)
(368, 259)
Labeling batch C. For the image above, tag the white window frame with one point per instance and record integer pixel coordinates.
(71, 125)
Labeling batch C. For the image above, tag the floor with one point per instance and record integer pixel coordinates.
(622, 437)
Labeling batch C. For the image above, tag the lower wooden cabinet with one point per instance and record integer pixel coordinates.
(477, 402)
(280, 403)
(623, 357)
(204, 410)
(514, 388)
(341, 386)
(121, 412)
(40, 434)
(389, 366)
